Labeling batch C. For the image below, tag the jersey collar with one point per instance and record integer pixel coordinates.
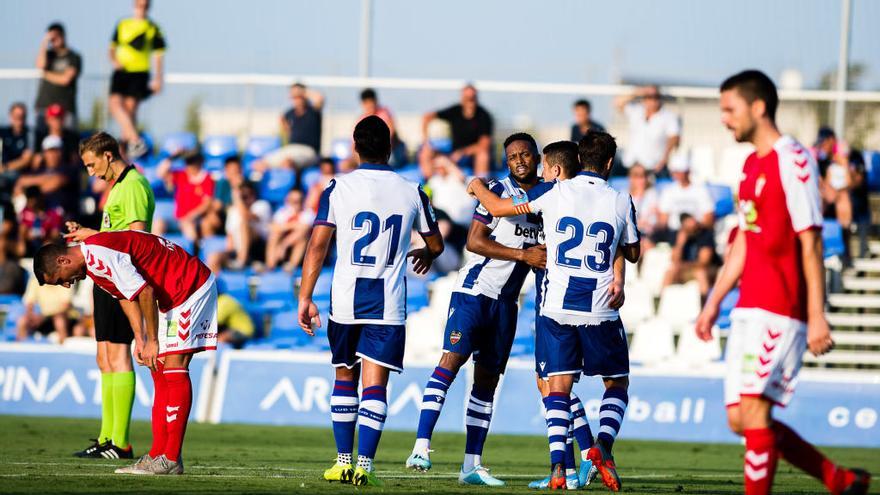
(594, 175)
(375, 166)
(124, 173)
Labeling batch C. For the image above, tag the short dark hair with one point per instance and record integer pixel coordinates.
(56, 26)
(521, 136)
(372, 140)
(368, 94)
(17, 104)
(298, 85)
(754, 85)
(583, 103)
(595, 149)
(99, 143)
(232, 159)
(250, 186)
(565, 155)
(44, 260)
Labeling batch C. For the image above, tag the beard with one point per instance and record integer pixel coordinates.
(746, 134)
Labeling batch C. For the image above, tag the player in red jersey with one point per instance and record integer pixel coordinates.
(777, 257)
(170, 298)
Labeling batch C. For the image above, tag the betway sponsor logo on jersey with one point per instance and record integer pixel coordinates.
(533, 233)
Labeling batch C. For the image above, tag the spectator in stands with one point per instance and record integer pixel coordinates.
(582, 121)
(135, 41)
(234, 324)
(53, 125)
(653, 130)
(247, 227)
(301, 124)
(57, 179)
(17, 152)
(370, 106)
(12, 276)
(858, 193)
(683, 197)
(454, 209)
(61, 68)
(645, 200)
(289, 232)
(233, 177)
(327, 170)
(471, 128)
(54, 302)
(193, 192)
(835, 181)
(693, 256)
(37, 224)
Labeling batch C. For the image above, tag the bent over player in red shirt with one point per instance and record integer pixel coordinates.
(777, 257)
(170, 298)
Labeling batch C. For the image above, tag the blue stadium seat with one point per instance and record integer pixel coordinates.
(872, 164)
(723, 196)
(727, 305)
(211, 245)
(620, 184)
(309, 177)
(442, 145)
(411, 172)
(177, 141)
(14, 310)
(235, 284)
(275, 285)
(662, 184)
(322, 286)
(257, 147)
(217, 149)
(180, 240)
(832, 239)
(416, 294)
(275, 185)
(340, 149)
(164, 210)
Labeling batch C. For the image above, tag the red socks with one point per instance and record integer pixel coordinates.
(176, 409)
(805, 457)
(760, 461)
(160, 398)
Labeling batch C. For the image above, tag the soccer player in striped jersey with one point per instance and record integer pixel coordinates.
(590, 222)
(482, 312)
(372, 211)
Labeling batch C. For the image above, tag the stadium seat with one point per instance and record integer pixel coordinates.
(653, 342)
(416, 294)
(180, 240)
(691, 350)
(275, 285)
(727, 305)
(235, 284)
(723, 197)
(12, 311)
(340, 149)
(309, 177)
(679, 305)
(178, 141)
(662, 184)
(211, 245)
(217, 149)
(620, 184)
(441, 145)
(872, 165)
(322, 286)
(411, 172)
(653, 267)
(275, 185)
(832, 239)
(257, 147)
(164, 210)
(639, 305)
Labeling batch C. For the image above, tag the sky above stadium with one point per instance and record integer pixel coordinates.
(695, 42)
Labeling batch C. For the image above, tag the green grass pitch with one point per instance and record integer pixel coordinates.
(36, 458)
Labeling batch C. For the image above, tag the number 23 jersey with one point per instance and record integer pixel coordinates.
(585, 220)
(374, 211)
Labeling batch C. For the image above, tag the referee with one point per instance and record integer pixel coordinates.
(129, 205)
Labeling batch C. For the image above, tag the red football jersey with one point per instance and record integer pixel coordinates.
(124, 262)
(778, 199)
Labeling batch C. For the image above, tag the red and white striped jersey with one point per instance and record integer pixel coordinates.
(124, 262)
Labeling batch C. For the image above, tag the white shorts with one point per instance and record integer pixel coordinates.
(764, 355)
(192, 326)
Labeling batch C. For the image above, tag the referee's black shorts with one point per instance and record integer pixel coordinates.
(111, 324)
(135, 84)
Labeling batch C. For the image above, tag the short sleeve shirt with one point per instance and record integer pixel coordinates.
(306, 128)
(130, 200)
(50, 93)
(134, 40)
(648, 136)
(466, 132)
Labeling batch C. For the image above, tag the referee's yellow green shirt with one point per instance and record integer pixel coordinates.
(134, 40)
(130, 200)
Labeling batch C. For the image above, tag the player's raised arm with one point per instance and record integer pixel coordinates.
(727, 278)
(498, 207)
(479, 241)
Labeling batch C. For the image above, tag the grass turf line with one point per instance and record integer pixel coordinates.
(36, 458)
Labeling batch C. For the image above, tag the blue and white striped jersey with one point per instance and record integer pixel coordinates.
(585, 220)
(374, 211)
(499, 278)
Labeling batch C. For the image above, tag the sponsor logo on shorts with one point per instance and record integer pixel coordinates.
(454, 337)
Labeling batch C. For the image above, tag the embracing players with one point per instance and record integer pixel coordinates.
(482, 312)
(777, 258)
(372, 211)
(170, 299)
(586, 222)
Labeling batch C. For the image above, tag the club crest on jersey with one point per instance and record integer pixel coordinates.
(454, 337)
(105, 221)
(749, 216)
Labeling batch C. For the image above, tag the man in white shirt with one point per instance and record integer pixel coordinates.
(684, 197)
(654, 131)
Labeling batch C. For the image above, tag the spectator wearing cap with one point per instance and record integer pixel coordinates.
(53, 120)
(301, 125)
(582, 121)
(471, 128)
(61, 67)
(835, 180)
(37, 224)
(370, 106)
(57, 178)
(654, 130)
(17, 153)
(193, 191)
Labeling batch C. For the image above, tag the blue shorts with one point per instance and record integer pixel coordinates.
(381, 344)
(481, 326)
(573, 349)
